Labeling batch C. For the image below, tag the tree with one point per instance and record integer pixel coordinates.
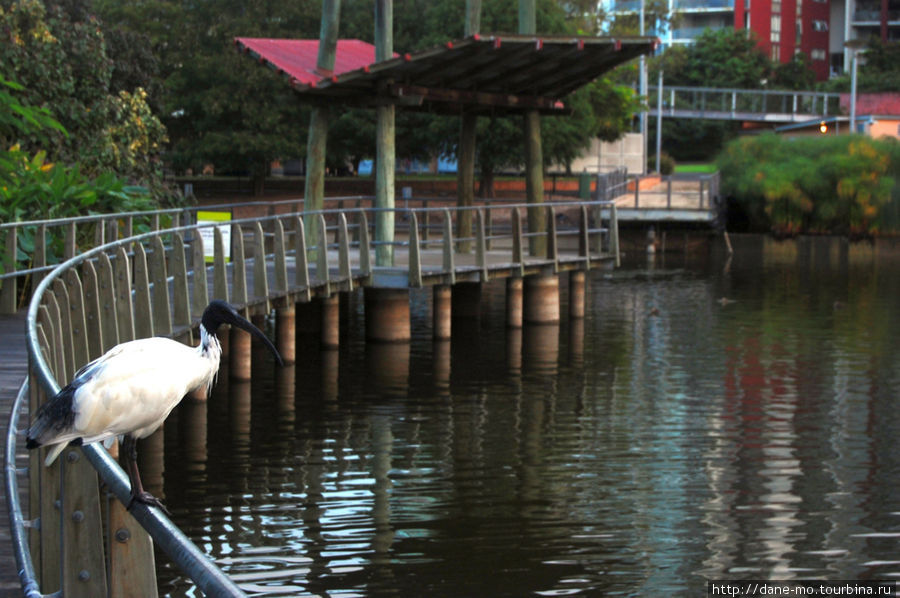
(723, 58)
(57, 51)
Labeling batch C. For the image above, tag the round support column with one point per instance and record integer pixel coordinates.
(514, 302)
(576, 293)
(331, 321)
(239, 360)
(441, 313)
(285, 333)
(541, 300)
(387, 315)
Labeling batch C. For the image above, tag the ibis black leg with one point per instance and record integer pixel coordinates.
(129, 451)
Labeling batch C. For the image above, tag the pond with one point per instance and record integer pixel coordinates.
(709, 419)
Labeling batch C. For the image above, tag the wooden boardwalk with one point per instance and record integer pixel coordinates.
(13, 368)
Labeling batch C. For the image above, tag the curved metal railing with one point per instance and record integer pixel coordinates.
(87, 304)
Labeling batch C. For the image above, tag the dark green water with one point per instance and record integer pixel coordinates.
(667, 439)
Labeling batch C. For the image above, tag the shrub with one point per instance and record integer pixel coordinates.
(829, 184)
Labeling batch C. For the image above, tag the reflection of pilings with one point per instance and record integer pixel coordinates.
(239, 412)
(285, 391)
(331, 321)
(541, 299)
(387, 315)
(151, 453)
(387, 367)
(514, 350)
(382, 447)
(285, 333)
(514, 302)
(330, 369)
(441, 314)
(576, 293)
(192, 432)
(441, 366)
(576, 342)
(540, 348)
(239, 360)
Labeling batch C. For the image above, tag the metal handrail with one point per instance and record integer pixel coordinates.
(208, 577)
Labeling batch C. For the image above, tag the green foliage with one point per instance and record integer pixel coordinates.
(828, 184)
(724, 58)
(56, 50)
(33, 188)
(878, 70)
(666, 164)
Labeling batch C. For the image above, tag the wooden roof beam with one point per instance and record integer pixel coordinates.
(461, 97)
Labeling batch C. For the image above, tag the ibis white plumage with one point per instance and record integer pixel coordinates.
(129, 392)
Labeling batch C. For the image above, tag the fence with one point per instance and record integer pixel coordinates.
(78, 537)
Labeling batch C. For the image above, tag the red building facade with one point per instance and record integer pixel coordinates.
(786, 27)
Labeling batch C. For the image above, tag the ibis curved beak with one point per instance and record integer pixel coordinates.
(235, 319)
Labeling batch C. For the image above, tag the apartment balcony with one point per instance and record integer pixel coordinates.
(679, 5)
(704, 5)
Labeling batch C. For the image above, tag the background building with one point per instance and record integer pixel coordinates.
(816, 28)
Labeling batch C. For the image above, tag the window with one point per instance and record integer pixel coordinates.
(776, 51)
(817, 54)
(820, 25)
(775, 35)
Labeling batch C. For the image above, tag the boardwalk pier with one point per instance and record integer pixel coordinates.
(158, 282)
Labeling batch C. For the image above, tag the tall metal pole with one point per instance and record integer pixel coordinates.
(659, 116)
(853, 90)
(314, 186)
(385, 149)
(534, 155)
(643, 91)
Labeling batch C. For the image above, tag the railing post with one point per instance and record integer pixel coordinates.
(239, 269)
(301, 271)
(584, 242)
(552, 241)
(40, 253)
(162, 312)
(322, 256)
(124, 305)
(8, 298)
(448, 259)
(181, 295)
(143, 326)
(92, 311)
(481, 245)
(280, 258)
(200, 296)
(518, 245)
(260, 276)
(365, 250)
(414, 276)
(614, 234)
(344, 253)
(106, 297)
(220, 269)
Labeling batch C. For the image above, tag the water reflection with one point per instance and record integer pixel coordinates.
(666, 439)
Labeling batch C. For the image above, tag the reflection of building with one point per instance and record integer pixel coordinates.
(816, 28)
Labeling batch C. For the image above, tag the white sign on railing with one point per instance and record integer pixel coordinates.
(207, 234)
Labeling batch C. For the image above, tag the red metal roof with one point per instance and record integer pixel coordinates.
(296, 58)
(480, 73)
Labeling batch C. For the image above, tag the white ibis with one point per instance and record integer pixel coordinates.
(129, 392)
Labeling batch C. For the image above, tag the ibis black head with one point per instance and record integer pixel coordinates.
(218, 312)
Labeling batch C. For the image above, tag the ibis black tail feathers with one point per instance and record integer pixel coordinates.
(53, 419)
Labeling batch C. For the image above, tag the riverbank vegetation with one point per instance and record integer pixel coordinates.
(847, 184)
